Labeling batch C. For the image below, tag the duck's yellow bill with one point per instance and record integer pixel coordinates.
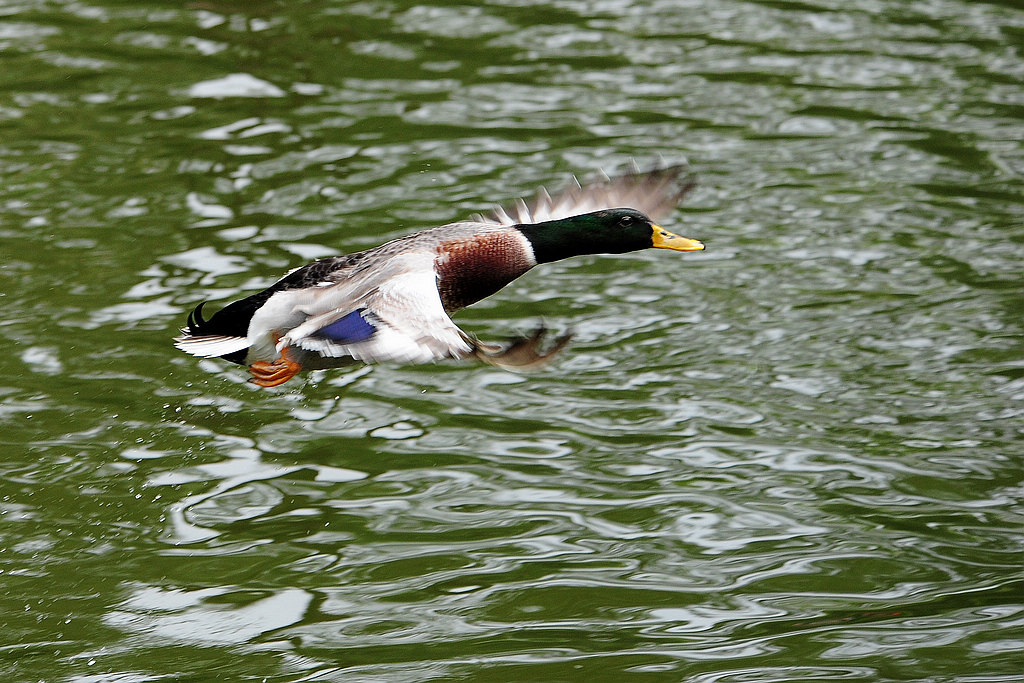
(663, 239)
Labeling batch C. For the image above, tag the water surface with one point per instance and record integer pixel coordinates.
(794, 456)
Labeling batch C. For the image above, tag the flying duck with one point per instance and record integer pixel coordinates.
(393, 302)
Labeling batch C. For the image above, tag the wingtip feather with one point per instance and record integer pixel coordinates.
(656, 191)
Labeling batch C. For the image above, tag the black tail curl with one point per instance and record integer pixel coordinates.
(196, 323)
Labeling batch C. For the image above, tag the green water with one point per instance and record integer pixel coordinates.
(795, 456)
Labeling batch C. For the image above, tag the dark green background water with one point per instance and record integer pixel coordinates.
(795, 456)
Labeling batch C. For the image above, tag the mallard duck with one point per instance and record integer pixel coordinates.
(393, 302)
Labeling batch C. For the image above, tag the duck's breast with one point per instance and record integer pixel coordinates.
(472, 268)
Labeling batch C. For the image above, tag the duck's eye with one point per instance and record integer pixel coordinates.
(626, 221)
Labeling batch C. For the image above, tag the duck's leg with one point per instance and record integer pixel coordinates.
(521, 353)
(272, 373)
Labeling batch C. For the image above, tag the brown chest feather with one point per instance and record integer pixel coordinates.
(473, 269)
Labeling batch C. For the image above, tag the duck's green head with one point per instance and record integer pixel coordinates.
(610, 231)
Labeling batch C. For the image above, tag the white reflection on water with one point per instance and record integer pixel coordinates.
(235, 85)
(192, 617)
(235, 495)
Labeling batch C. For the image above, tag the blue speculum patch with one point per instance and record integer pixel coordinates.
(349, 329)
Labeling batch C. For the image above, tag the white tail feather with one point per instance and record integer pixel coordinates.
(210, 345)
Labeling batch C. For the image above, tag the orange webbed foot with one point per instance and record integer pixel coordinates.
(271, 374)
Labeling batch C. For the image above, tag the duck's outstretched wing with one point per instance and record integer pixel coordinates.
(656, 193)
(393, 313)
(530, 352)
(403, 321)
